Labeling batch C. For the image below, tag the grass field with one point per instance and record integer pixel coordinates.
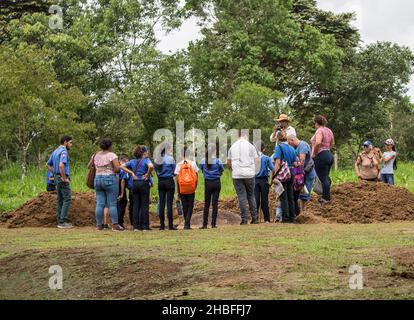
(14, 192)
(252, 262)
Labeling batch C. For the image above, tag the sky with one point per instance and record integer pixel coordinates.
(377, 20)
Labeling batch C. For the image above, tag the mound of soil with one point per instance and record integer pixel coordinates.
(41, 211)
(223, 218)
(362, 202)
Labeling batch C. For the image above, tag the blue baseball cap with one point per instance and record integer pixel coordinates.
(367, 143)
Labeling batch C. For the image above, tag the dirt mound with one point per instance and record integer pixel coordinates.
(41, 211)
(361, 202)
(405, 262)
(364, 202)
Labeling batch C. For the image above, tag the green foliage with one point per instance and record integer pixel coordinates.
(14, 191)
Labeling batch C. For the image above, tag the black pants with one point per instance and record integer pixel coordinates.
(261, 192)
(187, 200)
(323, 163)
(131, 207)
(122, 204)
(296, 195)
(141, 199)
(211, 194)
(166, 190)
(287, 202)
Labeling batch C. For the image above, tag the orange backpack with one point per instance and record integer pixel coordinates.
(187, 179)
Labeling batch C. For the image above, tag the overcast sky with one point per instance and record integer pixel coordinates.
(377, 20)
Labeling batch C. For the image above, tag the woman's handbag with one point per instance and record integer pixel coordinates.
(90, 177)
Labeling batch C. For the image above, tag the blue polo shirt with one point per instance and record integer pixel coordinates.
(304, 148)
(166, 170)
(60, 155)
(143, 168)
(289, 154)
(266, 166)
(214, 172)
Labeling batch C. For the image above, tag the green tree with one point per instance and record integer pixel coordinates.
(34, 106)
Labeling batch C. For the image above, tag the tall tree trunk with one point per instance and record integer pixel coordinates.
(336, 160)
(351, 149)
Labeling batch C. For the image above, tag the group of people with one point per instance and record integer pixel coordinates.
(292, 169)
(373, 165)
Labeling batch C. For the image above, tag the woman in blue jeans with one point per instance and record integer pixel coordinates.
(322, 143)
(106, 184)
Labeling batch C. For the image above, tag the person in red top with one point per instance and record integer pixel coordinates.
(322, 143)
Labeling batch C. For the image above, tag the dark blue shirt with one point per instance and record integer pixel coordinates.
(49, 176)
(143, 168)
(214, 172)
(166, 170)
(266, 166)
(289, 154)
(60, 155)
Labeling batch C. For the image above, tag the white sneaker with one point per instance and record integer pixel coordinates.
(65, 226)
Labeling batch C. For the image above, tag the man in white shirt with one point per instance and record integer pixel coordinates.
(243, 158)
(283, 121)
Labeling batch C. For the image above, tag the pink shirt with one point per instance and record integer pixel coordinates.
(327, 137)
(103, 163)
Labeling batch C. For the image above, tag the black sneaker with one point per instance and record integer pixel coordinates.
(187, 228)
(213, 226)
(172, 228)
(106, 226)
(254, 221)
(203, 227)
(243, 223)
(162, 228)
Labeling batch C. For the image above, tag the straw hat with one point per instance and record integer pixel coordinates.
(282, 117)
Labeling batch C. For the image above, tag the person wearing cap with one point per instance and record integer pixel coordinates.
(369, 162)
(389, 162)
(282, 122)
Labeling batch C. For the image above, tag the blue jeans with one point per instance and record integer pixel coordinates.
(107, 189)
(64, 199)
(323, 163)
(388, 178)
(309, 178)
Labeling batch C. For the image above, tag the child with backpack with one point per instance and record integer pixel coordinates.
(389, 162)
(50, 181)
(186, 172)
(212, 169)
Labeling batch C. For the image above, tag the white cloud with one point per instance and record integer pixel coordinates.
(380, 20)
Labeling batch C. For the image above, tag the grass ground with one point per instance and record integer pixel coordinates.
(252, 262)
(14, 192)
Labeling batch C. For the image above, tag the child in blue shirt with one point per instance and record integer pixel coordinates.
(50, 181)
(261, 188)
(212, 169)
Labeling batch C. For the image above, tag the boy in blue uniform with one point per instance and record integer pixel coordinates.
(58, 163)
(50, 182)
(261, 189)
